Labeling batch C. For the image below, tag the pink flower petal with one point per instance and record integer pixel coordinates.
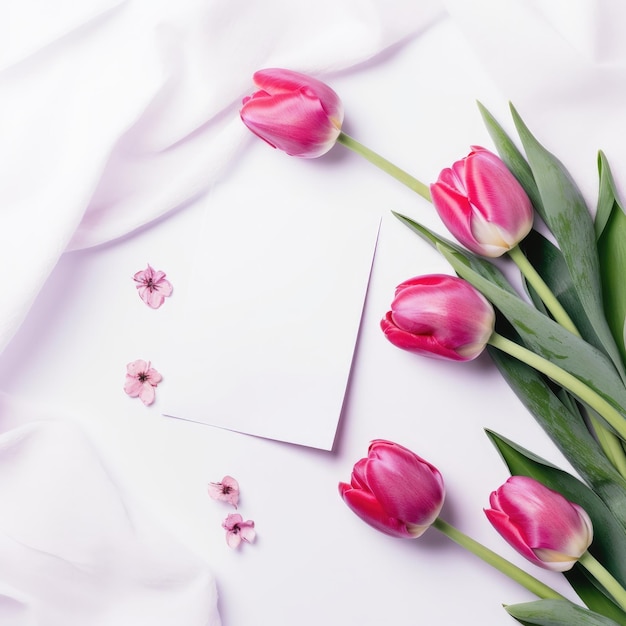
(227, 490)
(152, 286)
(136, 367)
(237, 530)
(233, 539)
(141, 380)
(247, 532)
(154, 378)
(132, 386)
(146, 393)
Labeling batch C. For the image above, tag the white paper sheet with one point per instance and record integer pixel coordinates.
(274, 301)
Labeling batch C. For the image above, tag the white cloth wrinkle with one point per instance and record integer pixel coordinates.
(77, 552)
(133, 111)
(112, 114)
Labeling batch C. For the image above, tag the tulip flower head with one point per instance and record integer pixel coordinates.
(394, 490)
(482, 204)
(439, 316)
(293, 112)
(540, 523)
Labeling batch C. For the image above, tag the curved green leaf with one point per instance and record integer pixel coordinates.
(547, 259)
(569, 220)
(483, 267)
(610, 224)
(512, 158)
(537, 331)
(557, 613)
(567, 429)
(607, 195)
(589, 592)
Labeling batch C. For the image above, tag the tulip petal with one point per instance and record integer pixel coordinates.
(439, 316)
(293, 112)
(510, 533)
(358, 479)
(295, 123)
(497, 196)
(555, 561)
(482, 203)
(456, 213)
(534, 518)
(365, 505)
(390, 483)
(420, 344)
(278, 80)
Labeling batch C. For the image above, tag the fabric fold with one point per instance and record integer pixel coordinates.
(115, 113)
(76, 550)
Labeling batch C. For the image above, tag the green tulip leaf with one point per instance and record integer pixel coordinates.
(563, 422)
(547, 338)
(557, 613)
(560, 419)
(569, 220)
(592, 595)
(537, 331)
(609, 543)
(512, 158)
(607, 195)
(610, 224)
(483, 267)
(547, 259)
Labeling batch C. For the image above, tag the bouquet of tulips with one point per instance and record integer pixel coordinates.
(560, 345)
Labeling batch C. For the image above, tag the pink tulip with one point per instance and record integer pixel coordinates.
(482, 204)
(439, 316)
(540, 523)
(293, 112)
(394, 490)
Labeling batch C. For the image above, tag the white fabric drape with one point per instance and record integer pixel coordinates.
(112, 114)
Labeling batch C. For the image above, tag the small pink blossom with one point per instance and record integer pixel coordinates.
(226, 491)
(237, 530)
(152, 286)
(141, 379)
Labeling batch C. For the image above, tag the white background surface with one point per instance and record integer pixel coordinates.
(313, 562)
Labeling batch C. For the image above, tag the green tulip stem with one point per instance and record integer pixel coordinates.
(584, 393)
(543, 291)
(490, 557)
(405, 178)
(609, 442)
(605, 578)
